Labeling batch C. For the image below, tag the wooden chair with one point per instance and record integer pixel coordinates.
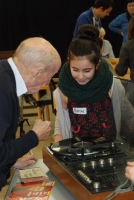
(54, 104)
(6, 54)
(112, 64)
(40, 103)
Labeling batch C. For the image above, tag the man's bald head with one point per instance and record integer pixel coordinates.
(37, 61)
(36, 51)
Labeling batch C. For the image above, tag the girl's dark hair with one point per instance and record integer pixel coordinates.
(130, 34)
(85, 44)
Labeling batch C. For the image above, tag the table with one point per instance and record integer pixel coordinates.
(59, 191)
(112, 64)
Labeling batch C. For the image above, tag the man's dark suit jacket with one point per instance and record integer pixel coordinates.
(10, 148)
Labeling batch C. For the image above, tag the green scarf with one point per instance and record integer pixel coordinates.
(93, 91)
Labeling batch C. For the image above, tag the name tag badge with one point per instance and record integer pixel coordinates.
(78, 111)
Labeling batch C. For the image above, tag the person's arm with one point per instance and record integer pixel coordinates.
(130, 171)
(58, 138)
(30, 159)
(12, 149)
(122, 67)
(111, 53)
(57, 129)
(25, 161)
(59, 99)
(116, 25)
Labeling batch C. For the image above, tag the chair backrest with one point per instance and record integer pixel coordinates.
(52, 86)
(6, 54)
(54, 105)
(112, 64)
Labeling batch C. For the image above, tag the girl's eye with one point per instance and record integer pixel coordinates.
(87, 71)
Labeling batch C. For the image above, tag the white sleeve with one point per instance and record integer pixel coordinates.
(62, 123)
(111, 53)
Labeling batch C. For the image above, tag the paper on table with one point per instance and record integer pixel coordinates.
(31, 172)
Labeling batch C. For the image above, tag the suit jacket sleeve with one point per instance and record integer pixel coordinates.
(10, 148)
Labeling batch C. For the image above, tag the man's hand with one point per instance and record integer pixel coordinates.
(42, 129)
(130, 171)
(24, 161)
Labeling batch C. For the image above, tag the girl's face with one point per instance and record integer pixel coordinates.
(82, 70)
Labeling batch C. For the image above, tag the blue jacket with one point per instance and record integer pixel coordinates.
(120, 22)
(85, 18)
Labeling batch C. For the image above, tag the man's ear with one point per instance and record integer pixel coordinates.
(101, 8)
(38, 72)
(97, 66)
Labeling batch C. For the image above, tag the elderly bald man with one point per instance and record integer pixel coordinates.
(34, 63)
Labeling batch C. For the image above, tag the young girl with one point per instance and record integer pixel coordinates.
(83, 99)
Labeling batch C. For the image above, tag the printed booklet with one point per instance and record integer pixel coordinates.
(32, 175)
(31, 191)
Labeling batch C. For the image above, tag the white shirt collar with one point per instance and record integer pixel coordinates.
(96, 20)
(20, 84)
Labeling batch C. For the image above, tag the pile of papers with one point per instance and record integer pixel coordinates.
(31, 191)
(31, 175)
(33, 185)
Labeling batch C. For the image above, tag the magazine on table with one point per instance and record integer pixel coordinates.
(31, 191)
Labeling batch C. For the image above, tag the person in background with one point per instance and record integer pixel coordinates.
(34, 63)
(86, 89)
(93, 16)
(107, 51)
(126, 57)
(120, 24)
(100, 43)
